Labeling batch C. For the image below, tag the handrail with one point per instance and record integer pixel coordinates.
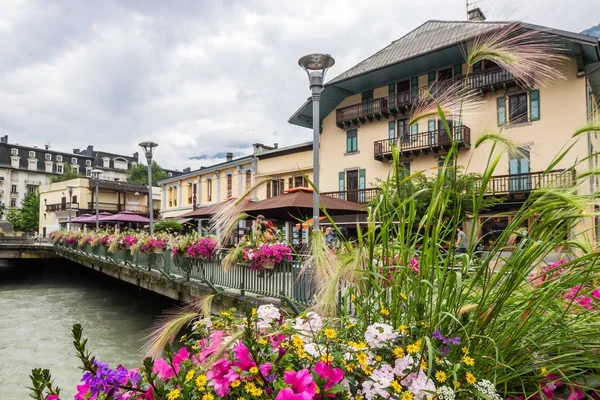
(530, 181)
(423, 140)
(357, 196)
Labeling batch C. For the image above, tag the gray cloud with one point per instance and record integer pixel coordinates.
(198, 77)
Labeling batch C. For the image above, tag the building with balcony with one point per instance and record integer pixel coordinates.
(23, 169)
(366, 112)
(113, 197)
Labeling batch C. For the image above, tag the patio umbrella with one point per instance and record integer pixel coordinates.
(125, 216)
(207, 211)
(296, 204)
(90, 218)
(80, 219)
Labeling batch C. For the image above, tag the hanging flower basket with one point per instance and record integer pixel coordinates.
(269, 265)
(157, 250)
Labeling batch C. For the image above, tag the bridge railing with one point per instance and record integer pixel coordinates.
(290, 281)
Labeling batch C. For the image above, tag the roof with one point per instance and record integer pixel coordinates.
(433, 45)
(212, 168)
(282, 151)
(120, 186)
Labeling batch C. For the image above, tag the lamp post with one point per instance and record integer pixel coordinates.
(148, 151)
(316, 65)
(96, 176)
(70, 188)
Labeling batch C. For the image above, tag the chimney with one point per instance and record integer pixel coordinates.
(276, 145)
(90, 150)
(4, 139)
(46, 146)
(476, 15)
(75, 151)
(229, 156)
(186, 170)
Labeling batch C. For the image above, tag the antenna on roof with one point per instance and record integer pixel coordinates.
(474, 14)
(47, 145)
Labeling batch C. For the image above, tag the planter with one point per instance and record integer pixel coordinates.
(186, 255)
(269, 265)
(157, 250)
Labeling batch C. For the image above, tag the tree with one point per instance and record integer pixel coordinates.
(168, 226)
(139, 174)
(27, 218)
(67, 174)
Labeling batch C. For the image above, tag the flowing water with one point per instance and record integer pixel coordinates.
(39, 303)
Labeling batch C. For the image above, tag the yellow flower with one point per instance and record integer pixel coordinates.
(404, 329)
(440, 376)
(544, 371)
(174, 394)
(349, 367)
(253, 370)
(412, 348)
(361, 357)
(262, 341)
(297, 342)
(399, 352)
(208, 396)
(200, 382)
(236, 383)
(437, 360)
(317, 390)
(396, 386)
(190, 375)
(407, 396)
(352, 325)
(301, 353)
(256, 392)
(405, 297)
(465, 350)
(226, 314)
(249, 387)
(353, 298)
(254, 312)
(368, 371)
(330, 333)
(456, 384)
(470, 378)
(378, 358)
(384, 311)
(469, 361)
(327, 358)
(182, 338)
(423, 364)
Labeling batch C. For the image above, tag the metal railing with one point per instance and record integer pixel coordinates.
(431, 140)
(114, 208)
(530, 181)
(61, 207)
(357, 196)
(489, 78)
(371, 108)
(288, 281)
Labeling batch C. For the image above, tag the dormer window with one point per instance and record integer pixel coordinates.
(73, 160)
(32, 154)
(120, 164)
(32, 166)
(48, 157)
(88, 163)
(59, 158)
(106, 162)
(14, 152)
(59, 169)
(75, 169)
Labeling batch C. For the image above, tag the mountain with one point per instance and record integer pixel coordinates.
(215, 156)
(593, 31)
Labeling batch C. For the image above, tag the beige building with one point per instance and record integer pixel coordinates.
(113, 197)
(366, 109)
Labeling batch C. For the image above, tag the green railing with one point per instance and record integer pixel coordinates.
(287, 282)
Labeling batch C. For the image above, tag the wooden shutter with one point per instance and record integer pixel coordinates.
(290, 183)
(414, 87)
(342, 180)
(414, 132)
(392, 129)
(534, 105)
(392, 94)
(431, 78)
(269, 190)
(361, 185)
(501, 110)
(457, 71)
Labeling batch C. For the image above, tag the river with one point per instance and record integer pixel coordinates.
(39, 303)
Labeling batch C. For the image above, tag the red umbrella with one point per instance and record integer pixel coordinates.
(125, 216)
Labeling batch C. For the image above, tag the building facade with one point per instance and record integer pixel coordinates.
(23, 169)
(113, 197)
(366, 112)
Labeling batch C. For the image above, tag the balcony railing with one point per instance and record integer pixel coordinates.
(525, 183)
(422, 142)
(384, 106)
(357, 196)
(115, 208)
(61, 207)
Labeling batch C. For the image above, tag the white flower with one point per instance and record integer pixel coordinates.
(377, 333)
(313, 349)
(487, 388)
(313, 323)
(383, 376)
(422, 387)
(445, 393)
(403, 365)
(267, 314)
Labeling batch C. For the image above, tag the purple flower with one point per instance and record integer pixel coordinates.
(438, 335)
(105, 380)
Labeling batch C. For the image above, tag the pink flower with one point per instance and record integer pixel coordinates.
(331, 375)
(265, 368)
(163, 369)
(52, 397)
(180, 357)
(149, 395)
(243, 357)
(303, 386)
(215, 342)
(596, 294)
(82, 391)
(221, 375)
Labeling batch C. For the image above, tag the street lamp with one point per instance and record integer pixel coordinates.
(148, 151)
(70, 188)
(96, 176)
(316, 65)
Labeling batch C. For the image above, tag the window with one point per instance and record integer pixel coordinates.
(278, 187)
(300, 181)
(58, 158)
(32, 189)
(13, 203)
(120, 164)
(73, 160)
(351, 182)
(48, 157)
(88, 172)
(229, 186)
(32, 154)
(518, 108)
(14, 152)
(88, 163)
(59, 169)
(49, 167)
(74, 199)
(248, 179)
(351, 141)
(14, 162)
(106, 162)
(75, 169)
(391, 129)
(519, 167)
(367, 102)
(209, 189)
(414, 132)
(32, 165)
(402, 131)
(13, 189)
(414, 87)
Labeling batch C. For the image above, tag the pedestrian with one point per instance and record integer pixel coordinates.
(330, 237)
(461, 240)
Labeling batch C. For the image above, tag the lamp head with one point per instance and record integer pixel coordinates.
(70, 188)
(316, 65)
(96, 173)
(148, 148)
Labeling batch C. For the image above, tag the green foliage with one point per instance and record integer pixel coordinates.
(168, 226)
(139, 174)
(67, 174)
(27, 218)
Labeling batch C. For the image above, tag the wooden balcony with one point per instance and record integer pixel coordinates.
(361, 196)
(488, 80)
(61, 207)
(422, 143)
(115, 208)
(516, 185)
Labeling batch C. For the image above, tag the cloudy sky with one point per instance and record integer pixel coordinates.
(199, 77)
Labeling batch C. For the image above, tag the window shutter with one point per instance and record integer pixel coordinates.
(477, 67)
(431, 78)
(414, 132)
(290, 183)
(501, 108)
(414, 87)
(392, 129)
(361, 178)
(457, 71)
(268, 190)
(392, 94)
(342, 179)
(534, 105)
